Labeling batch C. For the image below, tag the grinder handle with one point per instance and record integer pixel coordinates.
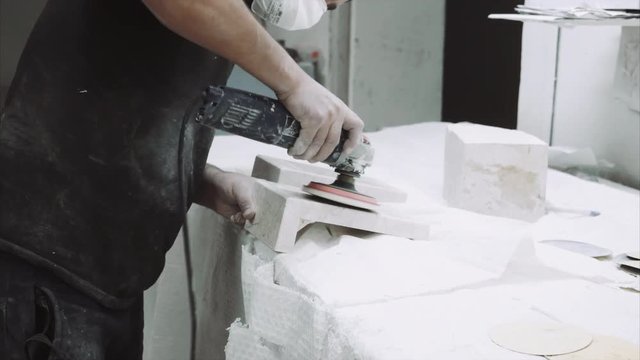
(254, 116)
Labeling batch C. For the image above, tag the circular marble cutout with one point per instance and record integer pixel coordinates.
(540, 338)
(579, 247)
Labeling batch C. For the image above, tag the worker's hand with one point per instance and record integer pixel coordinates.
(322, 116)
(229, 194)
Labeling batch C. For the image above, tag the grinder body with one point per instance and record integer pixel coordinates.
(266, 120)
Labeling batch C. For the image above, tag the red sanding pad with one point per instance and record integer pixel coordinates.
(341, 196)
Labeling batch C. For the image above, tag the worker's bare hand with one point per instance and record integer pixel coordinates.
(323, 116)
(229, 194)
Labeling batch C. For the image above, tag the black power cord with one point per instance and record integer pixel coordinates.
(188, 115)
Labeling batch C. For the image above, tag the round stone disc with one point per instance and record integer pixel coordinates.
(579, 247)
(540, 338)
(627, 264)
(634, 255)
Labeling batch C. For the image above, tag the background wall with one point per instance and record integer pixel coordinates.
(593, 98)
(396, 61)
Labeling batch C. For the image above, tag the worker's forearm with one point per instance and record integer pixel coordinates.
(204, 194)
(228, 28)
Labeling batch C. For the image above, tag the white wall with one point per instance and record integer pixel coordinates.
(589, 111)
(397, 61)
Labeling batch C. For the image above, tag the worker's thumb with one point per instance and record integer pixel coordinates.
(246, 203)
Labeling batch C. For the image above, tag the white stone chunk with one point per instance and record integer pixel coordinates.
(284, 210)
(245, 344)
(495, 171)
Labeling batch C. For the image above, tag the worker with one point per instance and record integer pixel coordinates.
(90, 200)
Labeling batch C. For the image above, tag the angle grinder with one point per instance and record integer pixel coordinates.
(264, 119)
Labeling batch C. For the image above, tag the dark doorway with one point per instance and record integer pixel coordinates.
(481, 63)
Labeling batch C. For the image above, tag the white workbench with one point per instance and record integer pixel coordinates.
(378, 297)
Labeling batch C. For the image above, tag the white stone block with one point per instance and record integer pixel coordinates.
(284, 210)
(495, 171)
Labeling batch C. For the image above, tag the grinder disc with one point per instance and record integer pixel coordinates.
(341, 195)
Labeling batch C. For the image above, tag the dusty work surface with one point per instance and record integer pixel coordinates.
(343, 295)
